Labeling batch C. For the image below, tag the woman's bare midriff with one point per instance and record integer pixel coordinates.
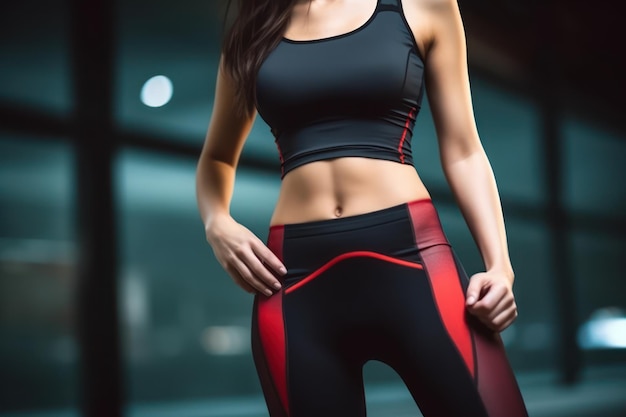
(343, 187)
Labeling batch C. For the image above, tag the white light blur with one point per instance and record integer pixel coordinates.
(135, 300)
(605, 330)
(225, 340)
(157, 91)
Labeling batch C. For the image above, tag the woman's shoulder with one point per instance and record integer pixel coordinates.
(430, 6)
(427, 18)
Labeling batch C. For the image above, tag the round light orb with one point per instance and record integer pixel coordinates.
(157, 91)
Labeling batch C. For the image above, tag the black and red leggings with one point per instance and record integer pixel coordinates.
(380, 286)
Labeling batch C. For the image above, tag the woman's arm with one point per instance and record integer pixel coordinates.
(238, 250)
(466, 167)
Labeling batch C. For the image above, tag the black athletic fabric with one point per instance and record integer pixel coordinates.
(356, 94)
(380, 286)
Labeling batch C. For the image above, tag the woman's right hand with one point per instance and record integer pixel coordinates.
(246, 259)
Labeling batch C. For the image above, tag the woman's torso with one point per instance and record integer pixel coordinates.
(346, 185)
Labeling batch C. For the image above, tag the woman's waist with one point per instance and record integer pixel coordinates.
(394, 234)
(338, 188)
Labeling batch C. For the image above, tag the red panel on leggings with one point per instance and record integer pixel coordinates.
(448, 294)
(496, 382)
(443, 275)
(348, 255)
(272, 327)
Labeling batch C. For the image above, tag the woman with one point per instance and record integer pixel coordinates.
(357, 267)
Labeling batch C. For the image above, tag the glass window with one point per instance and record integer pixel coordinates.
(598, 275)
(183, 319)
(594, 162)
(180, 41)
(38, 346)
(35, 67)
(509, 130)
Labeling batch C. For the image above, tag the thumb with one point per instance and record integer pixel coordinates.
(474, 289)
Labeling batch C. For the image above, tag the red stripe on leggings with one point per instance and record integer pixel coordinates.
(443, 276)
(496, 382)
(348, 255)
(426, 225)
(272, 325)
(450, 299)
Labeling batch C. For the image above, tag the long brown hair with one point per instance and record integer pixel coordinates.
(256, 30)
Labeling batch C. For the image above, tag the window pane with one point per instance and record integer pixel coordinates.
(35, 70)
(595, 165)
(509, 130)
(179, 41)
(182, 42)
(38, 347)
(183, 318)
(598, 274)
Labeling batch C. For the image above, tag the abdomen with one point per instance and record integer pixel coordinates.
(344, 187)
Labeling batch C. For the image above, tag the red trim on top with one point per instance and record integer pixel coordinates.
(280, 157)
(404, 132)
(347, 255)
(272, 326)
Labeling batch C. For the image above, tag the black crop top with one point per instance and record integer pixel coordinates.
(355, 94)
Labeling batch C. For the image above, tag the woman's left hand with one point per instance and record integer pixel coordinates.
(490, 298)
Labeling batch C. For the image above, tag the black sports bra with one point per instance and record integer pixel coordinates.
(355, 94)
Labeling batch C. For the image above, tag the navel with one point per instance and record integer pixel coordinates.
(338, 211)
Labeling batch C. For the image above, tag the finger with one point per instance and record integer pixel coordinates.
(474, 290)
(485, 313)
(239, 280)
(248, 276)
(505, 314)
(260, 271)
(503, 320)
(510, 321)
(268, 257)
(502, 317)
(490, 300)
(251, 270)
(505, 303)
(242, 283)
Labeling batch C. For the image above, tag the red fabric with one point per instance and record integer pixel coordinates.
(443, 276)
(450, 299)
(404, 132)
(349, 255)
(496, 382)
(272, 326)
(426, 226)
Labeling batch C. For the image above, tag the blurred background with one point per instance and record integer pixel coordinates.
(111, 302)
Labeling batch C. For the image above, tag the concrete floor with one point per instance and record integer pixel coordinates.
(601, 394)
